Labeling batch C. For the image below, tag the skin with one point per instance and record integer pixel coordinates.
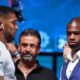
(10, 28)
(29, 44)
(73, 36)
(8, 32)
(12, 49)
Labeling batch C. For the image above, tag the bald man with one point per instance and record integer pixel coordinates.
(71, 69)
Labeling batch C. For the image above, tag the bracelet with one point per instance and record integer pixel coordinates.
(16, 54)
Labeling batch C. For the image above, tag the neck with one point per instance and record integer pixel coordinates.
(28, 64)
(74, 51)
(24, 69)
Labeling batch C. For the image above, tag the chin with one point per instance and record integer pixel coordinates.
(72, 46)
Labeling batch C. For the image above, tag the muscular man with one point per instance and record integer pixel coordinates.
(8, 29)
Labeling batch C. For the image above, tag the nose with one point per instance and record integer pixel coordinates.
(16, 27)
(72, 37)
(28, 48)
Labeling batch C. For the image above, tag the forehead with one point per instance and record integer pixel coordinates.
(12, 16)
(73, 26)
(29, 39)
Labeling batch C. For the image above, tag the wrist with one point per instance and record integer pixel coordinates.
(15, 54)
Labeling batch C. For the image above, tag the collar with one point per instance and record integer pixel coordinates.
(76, 56)
(38, 67)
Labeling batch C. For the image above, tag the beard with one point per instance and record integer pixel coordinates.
(8, 36)
(75, 47)
(27, 57)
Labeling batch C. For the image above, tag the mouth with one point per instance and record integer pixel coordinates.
(28, 57)
(71, 42)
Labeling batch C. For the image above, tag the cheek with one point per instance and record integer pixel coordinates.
(34, 52)
(8, 28)
(68, 37)
(78, 40)
(22, 50)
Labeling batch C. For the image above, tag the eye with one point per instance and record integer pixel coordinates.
(33, 46)
(69, 33)
(77, 33)
(14, 22)
(24, 45)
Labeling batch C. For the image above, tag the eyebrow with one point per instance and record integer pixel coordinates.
(74, 32)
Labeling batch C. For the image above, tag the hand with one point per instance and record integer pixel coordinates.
(11, 47)
(66, 51)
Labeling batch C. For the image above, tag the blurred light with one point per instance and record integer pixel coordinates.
(16, 6)
(61, 42)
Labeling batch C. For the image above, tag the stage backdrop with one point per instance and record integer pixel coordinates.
(50, 17)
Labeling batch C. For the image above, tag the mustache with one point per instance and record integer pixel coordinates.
(26, 53)
(28, 57)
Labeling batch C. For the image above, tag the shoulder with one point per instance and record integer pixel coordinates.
(46, 71)
(4, 53)
(2, 44)
(3, 47)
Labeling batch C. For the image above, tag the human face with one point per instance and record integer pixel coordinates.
(73, 35)
(28, 48)
(10, 27)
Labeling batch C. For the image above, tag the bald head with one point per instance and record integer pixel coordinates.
(75, 22)
(73, 33)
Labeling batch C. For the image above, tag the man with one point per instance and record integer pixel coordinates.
(28, 68)
(8, 29)
(71, 68)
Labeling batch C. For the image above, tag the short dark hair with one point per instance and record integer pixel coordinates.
(5, 10)
(31, 32)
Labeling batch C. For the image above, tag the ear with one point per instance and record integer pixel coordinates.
(1, 26)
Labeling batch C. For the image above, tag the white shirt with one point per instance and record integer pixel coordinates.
(71, 64)
(7, 68)
(70, 67)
